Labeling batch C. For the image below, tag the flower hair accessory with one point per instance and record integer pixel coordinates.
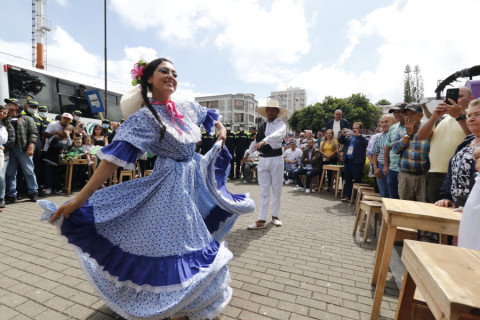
(137, 71)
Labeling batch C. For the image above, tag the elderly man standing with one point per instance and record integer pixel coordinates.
(447, 127)
(337, 124)
(390, 157)
(26, 134)
(378, 155)
(270, 165)
(413, 163)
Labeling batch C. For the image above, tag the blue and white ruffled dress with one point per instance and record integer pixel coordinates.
(153, 247)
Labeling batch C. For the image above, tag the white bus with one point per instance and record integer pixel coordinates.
(56, 92)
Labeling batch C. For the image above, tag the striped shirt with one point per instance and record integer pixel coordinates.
(413, 156)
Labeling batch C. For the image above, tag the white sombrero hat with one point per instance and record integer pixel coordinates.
(272, 103)
(131, 102)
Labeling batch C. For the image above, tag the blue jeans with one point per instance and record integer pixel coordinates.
(392, 183)
(2, 180)
(309, 173)
(17, 157)
(290, 171)
(382, 183)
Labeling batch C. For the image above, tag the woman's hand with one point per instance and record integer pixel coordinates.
(221, 133)
(66, 209)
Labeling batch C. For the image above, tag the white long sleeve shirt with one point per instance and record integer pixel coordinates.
(274, 134)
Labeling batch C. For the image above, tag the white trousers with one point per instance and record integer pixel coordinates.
(270, 179)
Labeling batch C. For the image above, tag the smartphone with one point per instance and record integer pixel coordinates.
(451, 94)
(424, 101)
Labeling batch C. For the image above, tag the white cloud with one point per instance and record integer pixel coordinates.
(62, 3)
(261, 41)
(436, 35)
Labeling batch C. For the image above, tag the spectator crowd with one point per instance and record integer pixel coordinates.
(410, 157)
(35, 149)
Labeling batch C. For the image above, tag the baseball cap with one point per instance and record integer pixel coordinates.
(416, 107)
(32, 103)
(67, 115)
(105, 121)
(398, 106)
(42, 108)
(77, 112)
(12, 100)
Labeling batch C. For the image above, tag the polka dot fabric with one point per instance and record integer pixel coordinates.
(152, 247)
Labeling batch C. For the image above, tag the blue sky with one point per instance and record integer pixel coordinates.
(334, 48)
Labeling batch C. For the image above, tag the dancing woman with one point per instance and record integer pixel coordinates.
(153, 247)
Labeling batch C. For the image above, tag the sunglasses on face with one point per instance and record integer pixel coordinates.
(4, 112)
(167, 71)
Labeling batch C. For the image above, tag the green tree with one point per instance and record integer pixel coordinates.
(383, 102)
(355, 108)
(412, 84)
(417, 84)
(407, 84)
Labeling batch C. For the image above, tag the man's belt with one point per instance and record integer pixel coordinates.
(271, 153)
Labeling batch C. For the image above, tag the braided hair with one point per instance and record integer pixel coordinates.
(147, 73)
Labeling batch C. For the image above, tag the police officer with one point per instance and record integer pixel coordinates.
(242, 143)
(253, 133)
(31, 109)
(230, 143)
(208, 140)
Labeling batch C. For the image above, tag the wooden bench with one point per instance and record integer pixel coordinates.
(126, 174)
(355, 188)
(447, 278)
(367, 208)
(147, 172)
(337, 169)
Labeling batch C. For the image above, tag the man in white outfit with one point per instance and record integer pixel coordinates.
(270, 165)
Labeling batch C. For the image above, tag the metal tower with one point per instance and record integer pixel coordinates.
(40, 27)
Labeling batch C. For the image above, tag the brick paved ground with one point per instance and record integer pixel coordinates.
(311, 268)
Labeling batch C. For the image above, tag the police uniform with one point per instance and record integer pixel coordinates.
(230, 143)
(208, 140)
(242, 143)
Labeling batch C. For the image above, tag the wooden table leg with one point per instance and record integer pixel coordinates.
(70, 171)
(443, 238)
(405, 300)
(337, 177)
(379, 252)
(383, 271)
(321, 180)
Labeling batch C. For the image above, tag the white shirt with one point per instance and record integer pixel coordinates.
(274, 134)
(291, 155)
(336, 127)
(52, 127)
(3, 136)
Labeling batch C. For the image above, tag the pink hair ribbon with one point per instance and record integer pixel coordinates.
(176, 115)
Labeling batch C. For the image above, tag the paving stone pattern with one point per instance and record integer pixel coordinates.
(311, 268)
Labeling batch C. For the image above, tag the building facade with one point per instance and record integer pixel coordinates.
(234, 108)
(292, 99)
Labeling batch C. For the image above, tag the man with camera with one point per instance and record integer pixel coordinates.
(447, 127)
